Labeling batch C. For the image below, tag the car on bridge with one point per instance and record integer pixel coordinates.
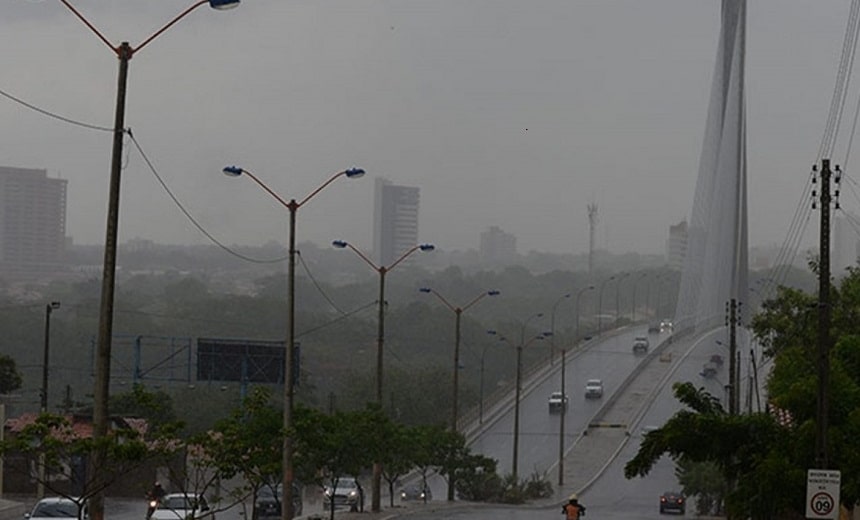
(593, 389)
(640, 345)
(557, 402)
(673, 502)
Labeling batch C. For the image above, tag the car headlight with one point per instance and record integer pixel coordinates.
(353, 493)
(328, 492)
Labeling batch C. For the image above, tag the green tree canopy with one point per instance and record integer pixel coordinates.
(10, 378)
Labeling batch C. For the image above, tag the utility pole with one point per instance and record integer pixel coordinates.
(592, 228)
(823, 404)
(731, 321)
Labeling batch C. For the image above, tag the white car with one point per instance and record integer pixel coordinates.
(557, 402)
(182, 506)
(55, 507)
(347, 493)
(593, 389)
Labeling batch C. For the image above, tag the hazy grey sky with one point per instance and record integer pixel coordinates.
(504, 112)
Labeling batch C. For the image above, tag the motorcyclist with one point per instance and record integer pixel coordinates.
(153, 497)
(573, 510)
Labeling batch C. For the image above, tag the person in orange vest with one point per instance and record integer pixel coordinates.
(573, 510)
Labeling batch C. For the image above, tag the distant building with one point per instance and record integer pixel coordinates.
(498, 247)
(676, 246)
(32, 221)
(395, 220)
(845, 243)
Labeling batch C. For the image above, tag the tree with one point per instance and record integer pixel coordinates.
(742, 447)
(54, 441)
(156, 407)
(249, 443)
(10, 378)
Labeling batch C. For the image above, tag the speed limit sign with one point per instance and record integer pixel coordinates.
(822, 493)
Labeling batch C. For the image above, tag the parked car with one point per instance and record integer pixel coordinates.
(557, 402)
(268, 503)
(416, 492)
(671, 501)
(640, 345)
(717, 360)
(348, 492)
(182, 506)
(55, 507)
(593, 389)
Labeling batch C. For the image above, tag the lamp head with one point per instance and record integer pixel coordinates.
(223, 5)
(340, 244)
(493, 293)
(354, 172)
(425, 290)
(427, 247)
(54, 305)
(232, 171)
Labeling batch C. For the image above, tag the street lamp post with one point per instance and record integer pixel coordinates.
(458, 312)
(103, 350)
(518, 390)
(635, 287)
(552, 326)
(563, 393)
(618, 298)
(289, 356)
(40, 484)
(380, 339)
(481, 386)
(600, 305)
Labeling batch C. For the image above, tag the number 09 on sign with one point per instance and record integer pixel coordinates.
(822, 493)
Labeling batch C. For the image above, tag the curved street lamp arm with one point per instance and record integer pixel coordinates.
(479, 298)
(403, 257)
(91, 27)
(362, 256)
(168, 25)
(322, 186)
(441, 298)
(262, 185)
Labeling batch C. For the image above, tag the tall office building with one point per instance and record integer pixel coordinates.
(676, 246)
(32, 221)
(395, 220)
(845, 243)
(498, 247)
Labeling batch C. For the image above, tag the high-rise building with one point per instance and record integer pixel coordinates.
(845, 243)
(32, 221)
(498, 247)
(676, 246)
(395, 220)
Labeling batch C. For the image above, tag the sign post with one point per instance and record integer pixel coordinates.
(822, 493)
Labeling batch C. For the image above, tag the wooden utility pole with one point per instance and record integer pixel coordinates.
(823, 404)
(734, 391)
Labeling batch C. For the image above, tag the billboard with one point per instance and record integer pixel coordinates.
(242, 360)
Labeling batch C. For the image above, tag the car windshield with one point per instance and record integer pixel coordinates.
(65, 509)
(269, 492)
(179, 502)
(594, 382)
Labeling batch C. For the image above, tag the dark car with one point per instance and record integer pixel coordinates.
(416, 492)
(268, 503)
(640, 345)
(672, 502)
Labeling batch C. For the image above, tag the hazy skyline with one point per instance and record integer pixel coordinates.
(514, 114)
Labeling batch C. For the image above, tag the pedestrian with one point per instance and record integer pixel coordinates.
(573, 510)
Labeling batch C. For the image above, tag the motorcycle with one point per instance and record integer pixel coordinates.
(153, 503)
